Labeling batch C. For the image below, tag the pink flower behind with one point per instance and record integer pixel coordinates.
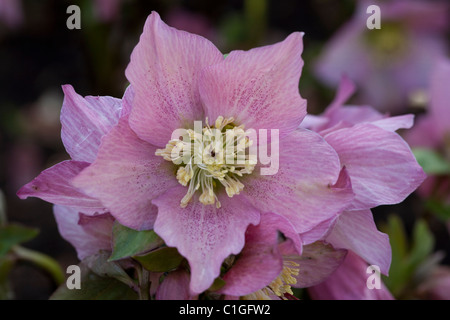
(381, 167)
(394, 62)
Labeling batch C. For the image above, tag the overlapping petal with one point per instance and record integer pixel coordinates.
(356, 231)
(126, 176)
(303, 190)
(382, 168)
(349, 282)
(203, 234)
(260, 262)
(163, 71)
(85, 120)
(88, 234)
(53, 185)
(259, 87)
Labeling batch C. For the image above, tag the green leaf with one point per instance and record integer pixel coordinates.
(217, 284)
(6, 265)
(128, 242)
(398, 240)
(160, 260)
(439, 209)
(100, 265)
(422, 246)
(431, 161)
(95, 287)
(14, 234)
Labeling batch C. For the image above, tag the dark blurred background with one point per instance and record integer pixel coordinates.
(38, 54)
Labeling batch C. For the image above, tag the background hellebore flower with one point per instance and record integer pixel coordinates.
(432, 131)
(381, 167)
(393, 63)
(179, 78)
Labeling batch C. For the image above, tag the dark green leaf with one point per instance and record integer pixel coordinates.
(129, 242)
(95, 287)
(14, 234)
(439, 209)
(160, 260)
(100, 265)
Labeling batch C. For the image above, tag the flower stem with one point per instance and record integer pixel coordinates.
(41, 260)
(144, 284)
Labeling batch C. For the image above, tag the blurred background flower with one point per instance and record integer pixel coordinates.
(391, 69)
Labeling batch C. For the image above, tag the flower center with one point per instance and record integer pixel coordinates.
(210, 157)
(280, 286)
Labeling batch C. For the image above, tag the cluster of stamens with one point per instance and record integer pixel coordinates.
(280, 286)
(209, 155)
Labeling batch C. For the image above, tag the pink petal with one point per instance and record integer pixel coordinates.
(260, 262)
(440, 96)
(53, 185)
(203, 234)
(356, 231)
(394, 123)
(317, 262)
(88, 235)
(345, 91)
(126, 176)
(349, 282)
(302, 190)
(85, 121)
(175, 286)
(163, 71)
(319, 232)
(380, 163)
(259, 87)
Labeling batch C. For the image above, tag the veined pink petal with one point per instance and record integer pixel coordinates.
(175, 286)
(259, 87)
(85, 121)
(317, 262)
(88, 234)
(260, 262)
(53, 185)
(394, 123)
(126, 176)
(356, 231)
(346, 89)
(380, 163)
(164, 71)
(319, 232)
(302, 189)
(203, 234)
(349, 282)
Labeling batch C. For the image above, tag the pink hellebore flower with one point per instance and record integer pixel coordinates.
(204, 210)
(381, 167)
(350, 282)
(273, 261)
(393, 63)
